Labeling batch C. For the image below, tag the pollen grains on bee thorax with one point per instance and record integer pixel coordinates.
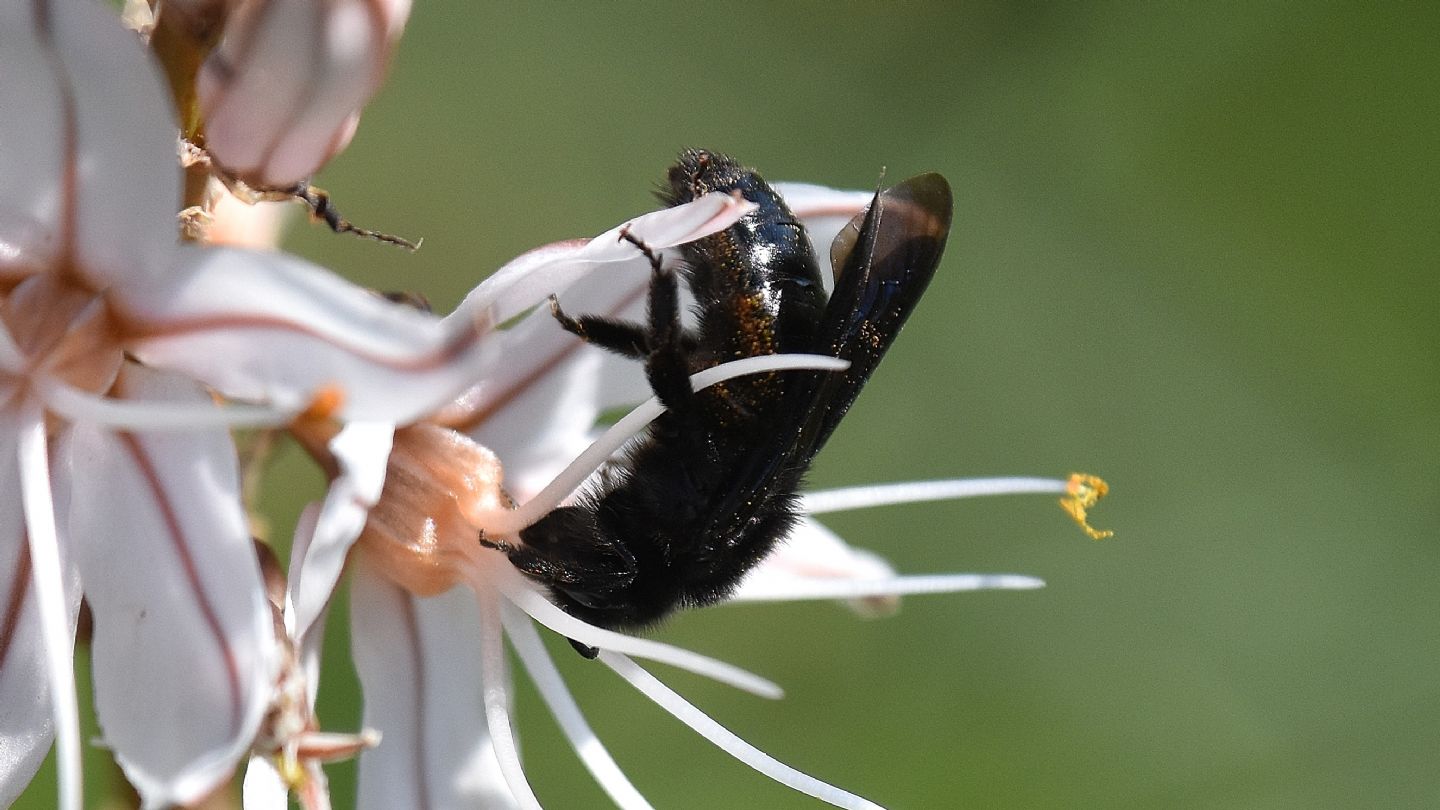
(421, 534)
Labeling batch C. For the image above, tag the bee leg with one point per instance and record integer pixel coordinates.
(625, 339)
(667, 365)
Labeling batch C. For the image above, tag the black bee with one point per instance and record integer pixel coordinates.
(712, 488)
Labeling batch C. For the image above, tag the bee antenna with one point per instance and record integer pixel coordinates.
(321, 207)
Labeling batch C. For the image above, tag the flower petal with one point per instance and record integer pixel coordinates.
(814, 563)
(282, 92)
(262, 787)
(183, 634)
(289, 331)
(85, 126)
(539, 424)
(812, 203)
(418, 661)
(33, 156)
(361, 450)
(537, 410)
(813, 552)
(529, 278)
(27, 724)
(824, 212)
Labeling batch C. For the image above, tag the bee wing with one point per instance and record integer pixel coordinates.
(886, 256)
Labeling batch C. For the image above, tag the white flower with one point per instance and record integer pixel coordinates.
(116, 343)
(121, 477)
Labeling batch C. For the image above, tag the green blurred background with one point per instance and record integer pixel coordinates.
(1195, 251)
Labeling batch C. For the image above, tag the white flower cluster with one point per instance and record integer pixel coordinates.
(128, 355)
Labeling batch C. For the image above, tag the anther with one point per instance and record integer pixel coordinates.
(1081, 494)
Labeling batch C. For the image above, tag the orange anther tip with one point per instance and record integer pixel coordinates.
(325, 404)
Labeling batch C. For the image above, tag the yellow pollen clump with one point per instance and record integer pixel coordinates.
(1082, 493)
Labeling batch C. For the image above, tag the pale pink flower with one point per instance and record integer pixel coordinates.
(121, 476)
(282, 92)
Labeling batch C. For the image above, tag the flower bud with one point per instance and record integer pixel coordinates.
(282, 92)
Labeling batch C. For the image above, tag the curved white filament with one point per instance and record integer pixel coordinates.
(122, 414)
(49, 585)
(511, 583)
(727, 740)
(567, 713)
(494, 688)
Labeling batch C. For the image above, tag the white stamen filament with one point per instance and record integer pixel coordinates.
(500, 523)
(791, 589)
(727, 740)
(495, 685)
(80, 406)
(865, 497)
(518, 590)
(39, 505)
(546, 677)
